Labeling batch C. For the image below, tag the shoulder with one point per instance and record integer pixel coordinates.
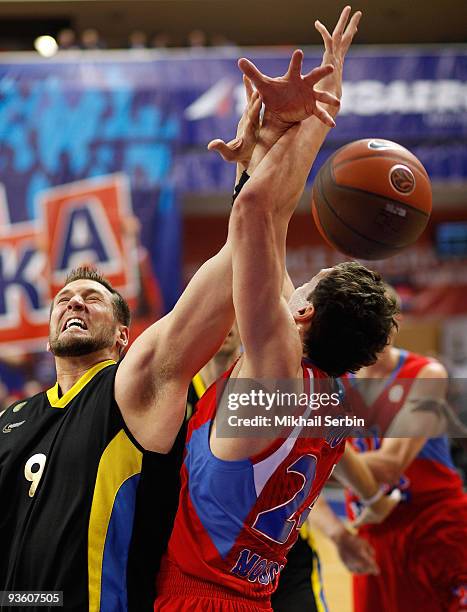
(421, 366)
(433, 369)
(431, 380)
(102, 382)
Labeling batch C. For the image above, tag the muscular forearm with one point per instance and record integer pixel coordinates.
(352, 471)
(385, 470)
(281, 175)
(388, 463)
(288, 287)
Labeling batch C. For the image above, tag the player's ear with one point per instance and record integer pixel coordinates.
(47, 348)
(304, 314)
(123, 337)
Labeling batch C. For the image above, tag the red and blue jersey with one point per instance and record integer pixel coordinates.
(238, 519)
(431, 475)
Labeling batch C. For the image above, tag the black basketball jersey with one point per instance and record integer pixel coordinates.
(85, 510)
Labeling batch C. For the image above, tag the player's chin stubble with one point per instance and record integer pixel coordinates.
(76, 347)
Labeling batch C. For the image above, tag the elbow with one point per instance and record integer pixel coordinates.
(245, 199)
(253, 198)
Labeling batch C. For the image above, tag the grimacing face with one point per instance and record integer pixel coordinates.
(82, 319)
(299, 298)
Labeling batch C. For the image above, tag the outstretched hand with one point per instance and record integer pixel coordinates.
(336, 46)
(240, 149)
(292, 97)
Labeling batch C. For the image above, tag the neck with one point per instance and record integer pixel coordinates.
(385, 365)
(217, 366)
(70, 369)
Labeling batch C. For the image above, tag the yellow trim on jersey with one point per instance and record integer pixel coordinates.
(61, 402)
(307, 535)
(198, 384)
(317, 586)
(315, 576)
(120, 461)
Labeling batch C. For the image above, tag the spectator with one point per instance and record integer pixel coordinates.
(160, 40)
(66, 39)
(138, 40)
(3, 397)
(197, 39)
(90, 40)
(220, 40)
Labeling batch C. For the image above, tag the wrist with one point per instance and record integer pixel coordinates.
(239, 185)
(272, 128)
(373, 499)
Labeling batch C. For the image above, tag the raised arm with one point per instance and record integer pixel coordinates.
(260, 217)
(152, 380)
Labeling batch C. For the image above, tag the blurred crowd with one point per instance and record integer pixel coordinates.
(90, 39)
(23, 375)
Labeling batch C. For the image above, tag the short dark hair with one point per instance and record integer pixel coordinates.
(353, 320)
(120, 305)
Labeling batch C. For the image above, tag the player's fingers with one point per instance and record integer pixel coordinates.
(369, 565)
(355, 20)
(253, 101)
(341, 23)
(254, 97)
(318, 73)
(370, 551)
(250, 70)
(255, 110)
(351, 30)
(357, 566)
(365, 566)
(229, 151)
(324, 116)
(327, 98)
(327, 38)
(295, 65)
(367, 552)
(248, 87)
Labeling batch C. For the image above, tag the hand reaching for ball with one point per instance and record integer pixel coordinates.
(293, 97)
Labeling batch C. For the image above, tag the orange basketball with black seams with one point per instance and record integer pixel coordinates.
(371, 199)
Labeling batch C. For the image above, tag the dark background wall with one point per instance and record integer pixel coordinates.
(246, 22)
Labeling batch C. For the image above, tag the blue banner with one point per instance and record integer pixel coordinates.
(66, 122)
(150, 115)
(88, 141)
(415, 97)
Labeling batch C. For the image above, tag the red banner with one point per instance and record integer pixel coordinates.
(79, 223)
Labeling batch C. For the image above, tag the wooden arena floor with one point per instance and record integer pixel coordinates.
(337, 579)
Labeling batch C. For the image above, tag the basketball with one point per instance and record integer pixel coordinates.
(371, 199)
